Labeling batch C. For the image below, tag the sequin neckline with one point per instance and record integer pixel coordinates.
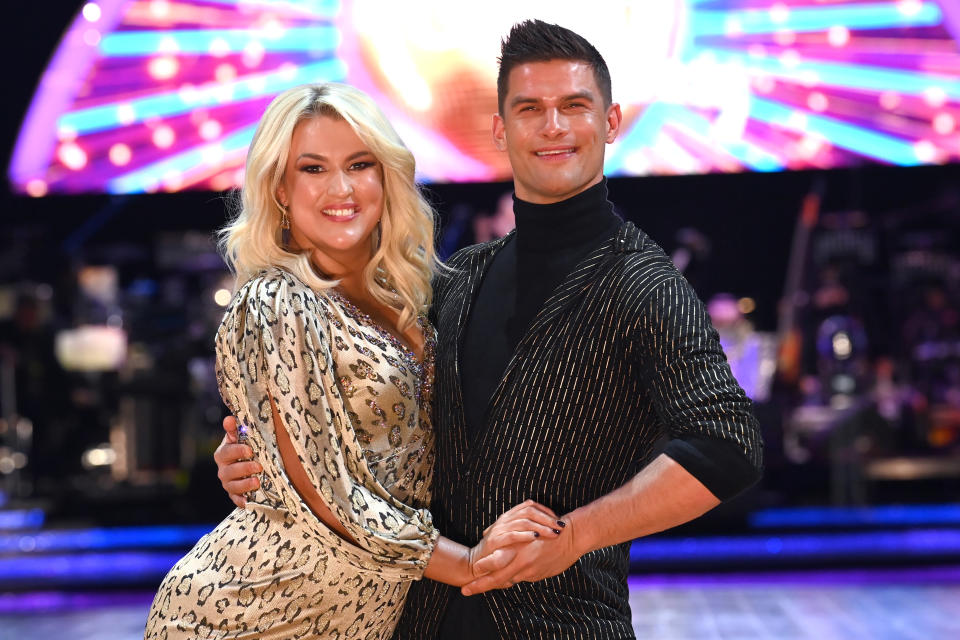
(365, 318)
(422, 369)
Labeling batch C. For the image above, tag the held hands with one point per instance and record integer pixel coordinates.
(514, 531)
(234, 465)
(543, 557)
(527, 543)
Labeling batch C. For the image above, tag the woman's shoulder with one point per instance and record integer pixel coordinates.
(278, 283)
(278, 290)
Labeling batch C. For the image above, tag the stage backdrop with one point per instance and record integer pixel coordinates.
(148, 95)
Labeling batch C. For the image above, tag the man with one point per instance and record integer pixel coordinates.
(566, 351)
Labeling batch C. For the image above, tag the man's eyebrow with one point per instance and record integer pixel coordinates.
(518, 100)
(579, 95)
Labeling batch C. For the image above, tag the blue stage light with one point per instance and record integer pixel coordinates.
(125, 567)
(889, 515)
(915, 543)
(21, 519)
(102, 539)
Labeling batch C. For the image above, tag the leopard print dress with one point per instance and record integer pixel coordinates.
(356, 404)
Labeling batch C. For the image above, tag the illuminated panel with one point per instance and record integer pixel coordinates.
(163, 95)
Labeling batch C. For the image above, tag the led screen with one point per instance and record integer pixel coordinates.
(148, 95)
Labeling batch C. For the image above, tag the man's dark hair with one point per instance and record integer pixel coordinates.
(539, 41)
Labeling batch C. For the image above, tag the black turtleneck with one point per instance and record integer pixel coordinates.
(549, 241)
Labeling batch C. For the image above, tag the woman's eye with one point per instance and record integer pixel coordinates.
(365, 164)
(312, 168)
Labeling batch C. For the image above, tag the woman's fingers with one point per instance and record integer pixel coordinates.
(528, 527)
(227, 454)
(507, 538)
(532, 504)
(533, 518)
(237, 471)
(241, 487)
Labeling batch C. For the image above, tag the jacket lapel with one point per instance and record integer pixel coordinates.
(475, 269)
(571, 289)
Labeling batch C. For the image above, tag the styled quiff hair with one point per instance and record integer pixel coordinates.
(404, 261)
(539, 41)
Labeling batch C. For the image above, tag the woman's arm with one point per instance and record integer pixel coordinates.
(300, 481)
(451, 562)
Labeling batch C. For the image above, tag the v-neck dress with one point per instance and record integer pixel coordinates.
(356, 404)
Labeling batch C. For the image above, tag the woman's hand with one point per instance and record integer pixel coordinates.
(234, 465)
(526, 522)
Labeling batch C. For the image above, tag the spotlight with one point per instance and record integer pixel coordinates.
(222, 297)
(100, 456)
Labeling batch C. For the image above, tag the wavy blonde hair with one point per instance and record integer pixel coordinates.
(405, 260)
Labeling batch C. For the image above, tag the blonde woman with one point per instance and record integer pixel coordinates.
(326, 357)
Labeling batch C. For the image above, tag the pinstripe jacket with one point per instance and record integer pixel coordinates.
(621, 355)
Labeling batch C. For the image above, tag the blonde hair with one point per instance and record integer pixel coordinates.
(405, 260)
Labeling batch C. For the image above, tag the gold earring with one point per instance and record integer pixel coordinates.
(284, 227)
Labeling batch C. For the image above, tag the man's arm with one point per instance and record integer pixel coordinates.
(715, 449)
(663, 495)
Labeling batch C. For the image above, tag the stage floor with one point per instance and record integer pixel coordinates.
(869, 605)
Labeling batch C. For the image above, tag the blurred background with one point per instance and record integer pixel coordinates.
(799, 160)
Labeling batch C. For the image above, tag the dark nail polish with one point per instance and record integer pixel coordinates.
(561, 523)
(556, 531)
(536, 534)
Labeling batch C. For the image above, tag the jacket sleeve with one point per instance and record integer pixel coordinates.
(709, 420)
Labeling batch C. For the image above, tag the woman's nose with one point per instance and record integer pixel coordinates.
(341, 184)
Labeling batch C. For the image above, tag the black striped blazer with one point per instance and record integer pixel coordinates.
(621, 355)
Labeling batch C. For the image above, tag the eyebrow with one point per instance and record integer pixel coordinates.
(322, 158)
(580, 95)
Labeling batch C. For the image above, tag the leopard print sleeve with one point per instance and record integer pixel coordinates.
(275, 341)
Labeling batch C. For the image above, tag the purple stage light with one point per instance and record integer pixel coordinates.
(163, 95)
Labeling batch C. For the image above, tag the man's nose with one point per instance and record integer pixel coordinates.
(555, 123)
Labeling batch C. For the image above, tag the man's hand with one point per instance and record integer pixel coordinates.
(540, 558)
(234, 465)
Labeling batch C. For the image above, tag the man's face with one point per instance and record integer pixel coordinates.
(554, 127)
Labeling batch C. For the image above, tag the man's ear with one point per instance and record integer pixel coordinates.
(614, 118)
(499, 133)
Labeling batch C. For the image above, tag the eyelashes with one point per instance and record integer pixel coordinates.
(356, 166)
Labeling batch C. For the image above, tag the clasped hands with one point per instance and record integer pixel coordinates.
(530, 554)
(526, 544)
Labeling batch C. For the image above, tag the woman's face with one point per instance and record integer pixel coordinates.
(333, 188)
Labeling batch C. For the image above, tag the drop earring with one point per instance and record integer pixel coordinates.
(284, 227)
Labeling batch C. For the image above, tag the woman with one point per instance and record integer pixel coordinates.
(326, 356)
